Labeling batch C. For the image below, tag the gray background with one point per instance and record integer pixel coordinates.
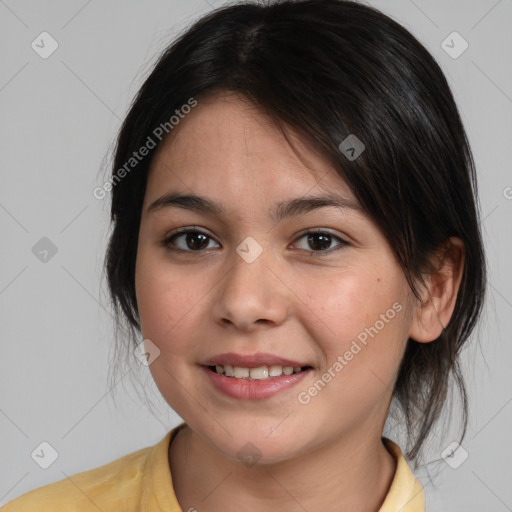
(58, 119)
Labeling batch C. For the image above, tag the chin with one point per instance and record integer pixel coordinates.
(255, 446)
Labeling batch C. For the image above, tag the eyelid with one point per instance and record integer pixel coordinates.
(317, 230)
(186, 229)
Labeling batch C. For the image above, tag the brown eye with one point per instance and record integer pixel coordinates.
(321, 241)
(188, 241)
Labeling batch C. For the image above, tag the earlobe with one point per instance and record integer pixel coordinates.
(439, 297)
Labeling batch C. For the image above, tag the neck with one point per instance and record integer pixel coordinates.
(340, 475)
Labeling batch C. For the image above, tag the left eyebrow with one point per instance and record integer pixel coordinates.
(280, 211)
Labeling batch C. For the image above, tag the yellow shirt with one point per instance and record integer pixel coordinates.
(141, 482)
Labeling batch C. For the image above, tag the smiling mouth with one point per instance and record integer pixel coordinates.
(259, 373)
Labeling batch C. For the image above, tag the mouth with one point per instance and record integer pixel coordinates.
(256, 382)
(253, 376)
(258, 373)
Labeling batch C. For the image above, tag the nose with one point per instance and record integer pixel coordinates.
(252, 295)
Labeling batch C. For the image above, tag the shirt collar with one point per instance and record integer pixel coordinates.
(406, 492)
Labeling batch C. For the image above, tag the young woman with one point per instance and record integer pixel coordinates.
(296, 240)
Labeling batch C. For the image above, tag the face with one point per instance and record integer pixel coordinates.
(256, 285)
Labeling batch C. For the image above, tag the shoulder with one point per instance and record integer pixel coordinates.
(112, 486)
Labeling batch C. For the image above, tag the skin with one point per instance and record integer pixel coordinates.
(294, 300)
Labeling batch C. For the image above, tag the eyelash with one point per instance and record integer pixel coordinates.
(168, 241)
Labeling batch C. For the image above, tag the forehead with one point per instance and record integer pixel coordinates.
(225, 144)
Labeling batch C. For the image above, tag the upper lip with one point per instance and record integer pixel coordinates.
(251, 360)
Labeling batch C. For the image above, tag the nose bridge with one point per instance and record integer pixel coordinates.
(250, 291)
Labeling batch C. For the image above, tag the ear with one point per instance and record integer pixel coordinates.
(439, 295)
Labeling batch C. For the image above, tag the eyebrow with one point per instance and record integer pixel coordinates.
(280, 211)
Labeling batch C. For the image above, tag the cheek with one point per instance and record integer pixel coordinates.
(360, 315)
(163, 298)
(173, 302)
(167, 302)
(361, 349)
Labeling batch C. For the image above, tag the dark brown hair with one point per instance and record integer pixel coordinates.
(328, 69)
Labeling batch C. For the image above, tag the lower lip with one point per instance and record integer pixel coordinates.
(246, 389)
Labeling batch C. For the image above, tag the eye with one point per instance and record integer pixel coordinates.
(191, 240)
(320, 241)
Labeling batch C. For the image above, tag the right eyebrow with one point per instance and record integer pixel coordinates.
(187, 201)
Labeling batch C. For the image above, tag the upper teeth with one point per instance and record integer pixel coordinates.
(260, 373)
